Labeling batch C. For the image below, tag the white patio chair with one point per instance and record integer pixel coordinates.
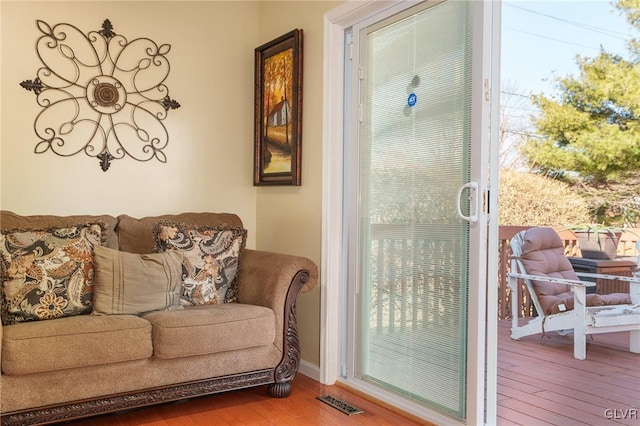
(560, 297)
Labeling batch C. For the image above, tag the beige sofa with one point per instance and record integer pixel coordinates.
(83, 365)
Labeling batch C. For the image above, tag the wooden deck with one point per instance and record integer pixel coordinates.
(541, 383)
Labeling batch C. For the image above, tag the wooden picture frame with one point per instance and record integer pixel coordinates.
(278, 111)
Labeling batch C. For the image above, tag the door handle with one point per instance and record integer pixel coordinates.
(473, 207)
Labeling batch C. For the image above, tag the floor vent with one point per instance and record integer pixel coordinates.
(340, 405)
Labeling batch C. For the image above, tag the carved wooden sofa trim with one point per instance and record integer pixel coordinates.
(278, 381)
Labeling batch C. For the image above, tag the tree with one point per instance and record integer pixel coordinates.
(527, 199)
(591, 128)
(631, 10)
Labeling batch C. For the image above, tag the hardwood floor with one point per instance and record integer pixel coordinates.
(255, 407)
(539, 383)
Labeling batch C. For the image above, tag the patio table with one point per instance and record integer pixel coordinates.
(624, 266)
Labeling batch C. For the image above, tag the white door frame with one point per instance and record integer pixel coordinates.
(335, 23)
(482, 313)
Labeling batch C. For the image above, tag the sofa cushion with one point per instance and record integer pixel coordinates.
(206, 329)
(136, 235)
(47, 273)
(73, 342)
(10, 220)
(128, 283)
(211, 259)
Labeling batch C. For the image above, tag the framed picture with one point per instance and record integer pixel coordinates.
(278, 111)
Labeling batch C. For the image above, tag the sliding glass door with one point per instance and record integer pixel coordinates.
(413, 207)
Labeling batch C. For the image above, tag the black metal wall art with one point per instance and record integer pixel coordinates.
(101, 94)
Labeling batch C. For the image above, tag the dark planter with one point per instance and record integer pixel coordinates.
(598, 244)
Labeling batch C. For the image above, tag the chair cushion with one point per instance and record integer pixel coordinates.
(543, 255)
(616, 299)
(129, 283)
(207, 329)
(74, 342)
(561, 302)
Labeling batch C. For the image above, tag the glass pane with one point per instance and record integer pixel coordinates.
(414, 144)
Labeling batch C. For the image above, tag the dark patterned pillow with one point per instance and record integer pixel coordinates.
(211, 259)
(48, 273)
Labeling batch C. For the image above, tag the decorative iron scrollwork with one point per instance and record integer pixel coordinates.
(101, 94)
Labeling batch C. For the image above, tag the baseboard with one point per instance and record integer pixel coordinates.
(310, 370)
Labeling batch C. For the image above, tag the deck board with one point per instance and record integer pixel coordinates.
(541, 383)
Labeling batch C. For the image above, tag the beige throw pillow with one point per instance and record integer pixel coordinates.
(128, 283)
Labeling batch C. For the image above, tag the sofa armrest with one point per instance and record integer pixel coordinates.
(274, 280)
(265, 277)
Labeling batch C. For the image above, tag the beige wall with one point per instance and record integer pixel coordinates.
(290, 218)
(210, 151)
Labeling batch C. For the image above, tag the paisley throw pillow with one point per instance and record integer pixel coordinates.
(211, 259)
(48, 273)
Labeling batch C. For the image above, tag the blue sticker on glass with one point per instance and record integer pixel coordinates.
(411, 101)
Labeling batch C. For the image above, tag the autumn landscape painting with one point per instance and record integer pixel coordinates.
(278, 110)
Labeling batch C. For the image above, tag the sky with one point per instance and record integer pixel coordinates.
(540, 39)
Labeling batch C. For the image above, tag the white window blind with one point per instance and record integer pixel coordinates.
(413, 249)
